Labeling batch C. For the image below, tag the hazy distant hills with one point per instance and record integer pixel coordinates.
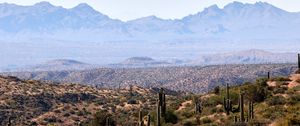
(240, 57)
(139, 62)
(54, 65)
(243, 21)
(246, 57)
(192, 79)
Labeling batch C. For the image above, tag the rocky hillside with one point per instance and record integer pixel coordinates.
(28, 102)
(190, 79)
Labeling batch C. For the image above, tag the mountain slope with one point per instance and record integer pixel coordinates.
(190, 79)
(253, 56)
(30, 102)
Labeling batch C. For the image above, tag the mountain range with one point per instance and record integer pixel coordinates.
(260, 20)
(43, 32)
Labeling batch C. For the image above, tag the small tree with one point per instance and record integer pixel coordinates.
(217, 90)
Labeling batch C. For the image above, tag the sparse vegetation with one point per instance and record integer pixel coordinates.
(45, 103)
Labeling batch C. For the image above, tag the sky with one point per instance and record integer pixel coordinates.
(167, 9)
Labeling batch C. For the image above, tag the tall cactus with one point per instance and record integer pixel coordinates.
(162, 102)
(158, 114)
(268, 75)
(299, 61)
(198, 107)
(148, 120)
(227, 102)
(161, 105)
(107, 121)
(164, 106)
(235, 119)
(241, 104)
(141, 122)
(250, 111)
(9, 122)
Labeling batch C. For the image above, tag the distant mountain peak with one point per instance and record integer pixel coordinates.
(256, 51)
(261, 3)
(84, 6)
(148, 18)
(44, 4)
(63, 62)
(212, 8)
(140, 59)
(234, 5)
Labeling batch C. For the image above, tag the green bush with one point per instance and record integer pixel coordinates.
(171, 117)
(276, 100)
(206, 120)
(100, 119)
(293, 99)
(256, 92)
(279, 90)
(217, 90)
(280, 79)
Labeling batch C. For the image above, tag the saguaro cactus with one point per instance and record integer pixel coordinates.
(299, 61)
(162, 102)
(268, 75)
(148, 120)
(241, 103)
(198, 107)
(158, 114)
(107, 121)
(141, 122)
(130, 91)
(9, 122)
(227, 102)
(164, 107)
(250, 111)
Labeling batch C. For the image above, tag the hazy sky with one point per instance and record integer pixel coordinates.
(167, 9)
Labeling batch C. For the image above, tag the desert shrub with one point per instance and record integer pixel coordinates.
(274, 112)
(262, 82)
(51, 119)
(213, 101)
(57, 111)
(131, 101)
(258, 122)
(72, 112)
(217, 90)
(187, 123)
(216, 110)
(33, 123)
(66, 115)
(293, 99)
(100, 118)
(171, 117)
(280, 79)
(206, 120)
(294, 120)
(279, 90)
(187, 114)
(257, 92)
(290, 120)
(276, 100)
